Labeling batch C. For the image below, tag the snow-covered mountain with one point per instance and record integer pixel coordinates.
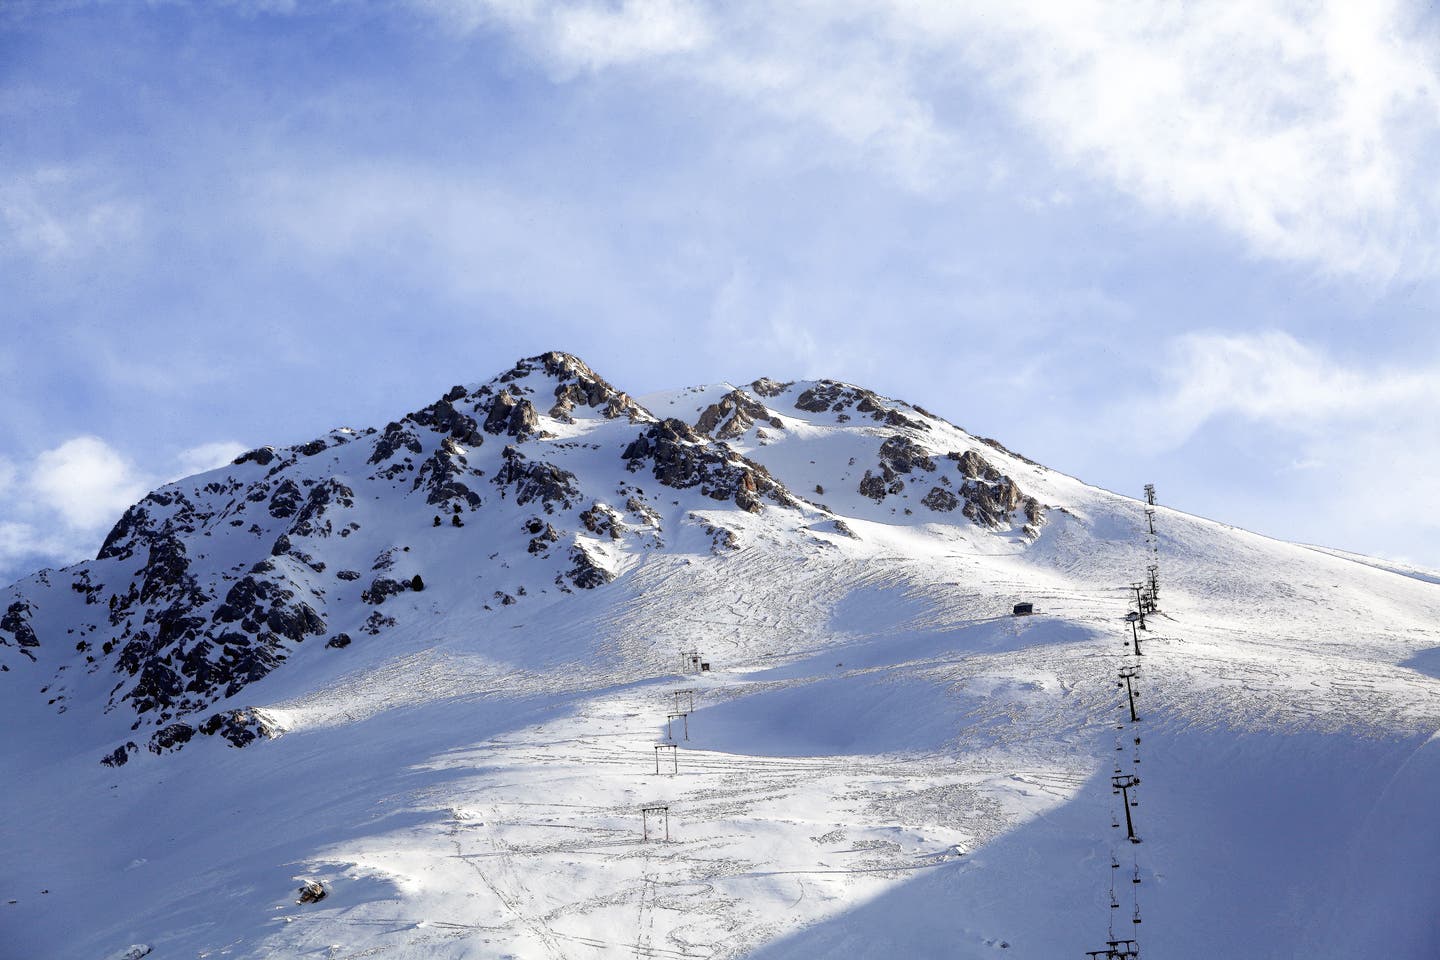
(457, 649)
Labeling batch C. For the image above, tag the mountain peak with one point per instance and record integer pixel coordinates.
(543, 481)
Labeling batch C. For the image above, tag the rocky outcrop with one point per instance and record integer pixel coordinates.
(313, 518)
(16, 622)
(512, 415)
(171, 737)
(990, 498)
(766, 387)
(397, 436)
(679, 457)
(260, 455)
(257, 603)
(733, 414)
(382, 587)
(120, 755)
(983, 494)
(543, 535)
(133, 525)
(941, 500)
(576, 385)
(444, 418)
(443, 476)
(240, 727)
(899, 454)
(603, 521)
(535, 480)
(843, 398)
(586, 572)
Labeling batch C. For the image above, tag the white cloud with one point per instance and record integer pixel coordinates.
(87, 482)
(55, 508)
(207, 456)
(22, 543)
(1276, 379)
(1304, 128)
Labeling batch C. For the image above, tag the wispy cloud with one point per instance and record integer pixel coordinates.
(57, 214)
(1275, 379)
(207, 456)
(836, 68)
(586, 36)
(1358, 444)
(1303, 128)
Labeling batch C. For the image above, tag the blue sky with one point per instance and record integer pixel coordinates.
(1194, 245)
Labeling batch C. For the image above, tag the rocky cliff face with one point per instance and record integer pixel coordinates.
(544, 481)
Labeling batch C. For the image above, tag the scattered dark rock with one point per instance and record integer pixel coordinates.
(120, 755)
(240, 727)
(544, 535)
(974, 466)
(16, 622)
(338, 642)
(312, 448)
(873, 487)
(376, 622)
(576, 385)
(313, 518)
(382, 587)
(260, 455)
(171, 737)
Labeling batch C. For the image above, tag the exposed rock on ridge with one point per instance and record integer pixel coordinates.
(206, 586)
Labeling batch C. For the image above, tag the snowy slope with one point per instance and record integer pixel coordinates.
(879, 761)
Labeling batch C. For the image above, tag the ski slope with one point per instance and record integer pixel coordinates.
(880, 761)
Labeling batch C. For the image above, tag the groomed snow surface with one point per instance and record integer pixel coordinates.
(881, 762)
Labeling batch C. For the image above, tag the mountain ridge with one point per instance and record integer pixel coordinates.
(881, 759)
(182, 635)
